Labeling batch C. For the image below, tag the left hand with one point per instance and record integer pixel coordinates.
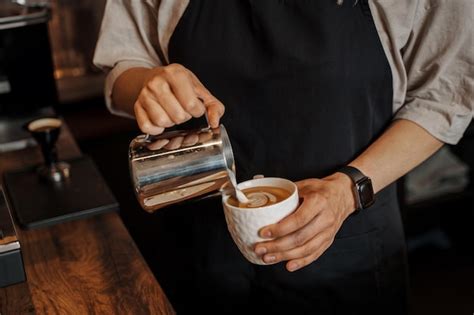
(304, 236)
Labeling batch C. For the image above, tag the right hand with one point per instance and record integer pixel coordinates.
(172, 95)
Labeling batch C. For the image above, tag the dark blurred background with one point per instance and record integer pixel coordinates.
(437, 198)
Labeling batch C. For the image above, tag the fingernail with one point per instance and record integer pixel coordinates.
(266, 233)
(269, 258)
(261, 251)
(292, 266)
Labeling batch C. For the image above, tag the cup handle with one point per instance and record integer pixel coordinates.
(207, 120)
(205, 115)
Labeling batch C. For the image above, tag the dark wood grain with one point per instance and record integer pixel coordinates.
(89, 266)
(16, 299)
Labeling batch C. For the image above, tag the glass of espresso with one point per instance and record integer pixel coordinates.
(46, 133)
(270, 200)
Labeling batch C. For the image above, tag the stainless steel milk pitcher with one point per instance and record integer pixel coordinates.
(180, 165)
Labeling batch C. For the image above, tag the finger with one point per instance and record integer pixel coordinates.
(145, 125)
(215, 109)
(162, 93)
(302, 184)
(293, 240)
(182, 85)
(295, 221)
(298, 263)
(190, 140)
(155, 112)
(311, 247)
(205, 136)
(175, 143)
(157, 145)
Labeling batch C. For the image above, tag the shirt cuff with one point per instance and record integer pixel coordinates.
(447, 126)
(113, 74)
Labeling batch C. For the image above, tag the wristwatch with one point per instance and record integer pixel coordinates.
(363, 190)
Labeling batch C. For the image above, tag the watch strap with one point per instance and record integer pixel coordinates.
(358, 179)
(355, 175)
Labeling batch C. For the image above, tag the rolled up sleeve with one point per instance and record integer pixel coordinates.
(439, 63)
(128, 39)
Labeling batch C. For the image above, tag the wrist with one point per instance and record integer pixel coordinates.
(149, 74)
(345, 186)
(362, 187)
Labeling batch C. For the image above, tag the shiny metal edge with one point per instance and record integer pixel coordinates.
(16, 21)
(227, 149)
(9, 230)
(9, 247)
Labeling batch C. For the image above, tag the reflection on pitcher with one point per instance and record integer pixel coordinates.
(180, 140)
(180, 165)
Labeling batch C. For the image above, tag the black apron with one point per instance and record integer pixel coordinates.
(307, 87)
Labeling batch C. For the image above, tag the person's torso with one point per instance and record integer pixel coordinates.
(306, 84)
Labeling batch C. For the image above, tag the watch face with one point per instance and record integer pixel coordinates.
(366, 193)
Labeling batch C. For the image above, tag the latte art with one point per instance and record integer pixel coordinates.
(260, 197)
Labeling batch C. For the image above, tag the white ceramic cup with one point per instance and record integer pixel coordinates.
(245, 223)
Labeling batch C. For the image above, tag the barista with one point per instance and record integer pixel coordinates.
(308, 88)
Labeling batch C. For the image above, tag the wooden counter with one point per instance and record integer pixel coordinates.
(89, 266)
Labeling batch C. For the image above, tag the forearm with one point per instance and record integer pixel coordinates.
(403, 146)
(304, 235)
(127, 87)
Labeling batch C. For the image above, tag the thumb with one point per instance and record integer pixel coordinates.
(214, 108)
(302, 184)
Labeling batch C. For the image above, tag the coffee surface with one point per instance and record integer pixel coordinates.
(44, 129)
(44, 124)
(260, 197)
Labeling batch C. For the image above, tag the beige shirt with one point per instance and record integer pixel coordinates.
(429, 45)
